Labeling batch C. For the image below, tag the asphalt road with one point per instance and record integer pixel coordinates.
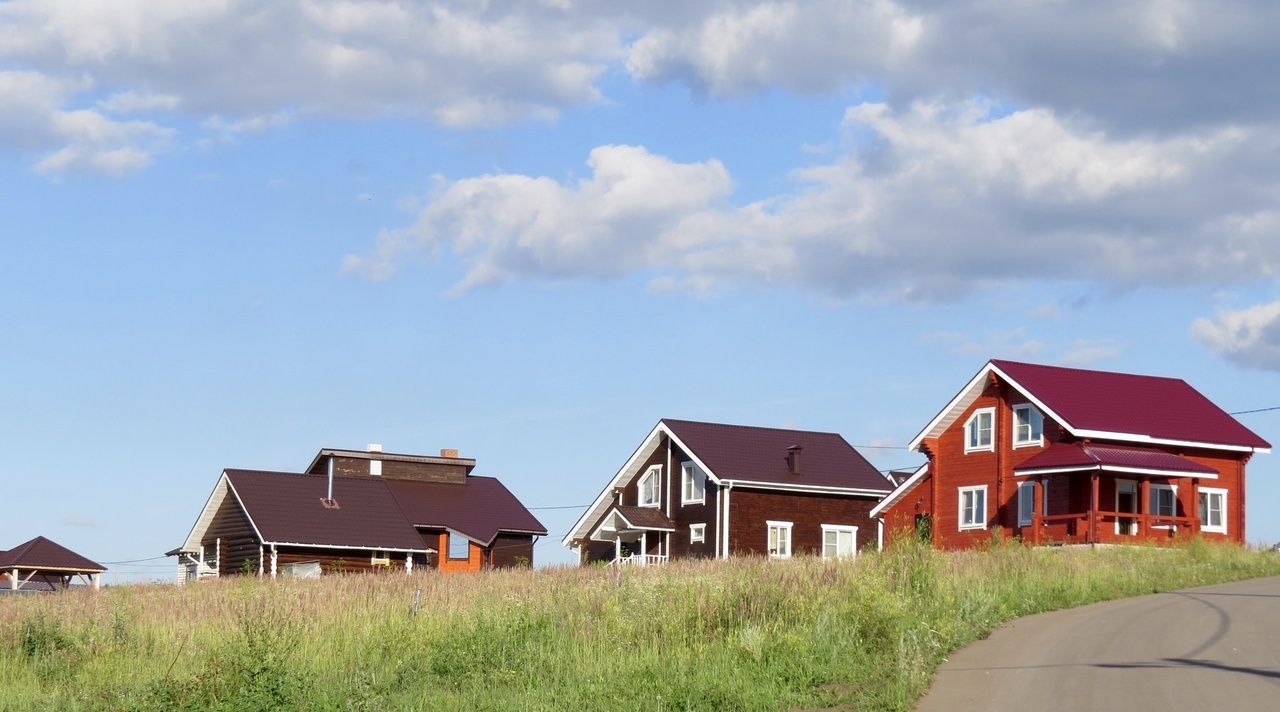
(1210, 648)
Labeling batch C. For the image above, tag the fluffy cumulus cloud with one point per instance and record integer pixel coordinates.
(1249, 337)
(934, 201)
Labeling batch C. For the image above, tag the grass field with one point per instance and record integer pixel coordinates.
(746, 634)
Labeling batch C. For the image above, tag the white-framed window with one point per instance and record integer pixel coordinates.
(1044, 496)
(375, 468)
(1028, 426)
(1164, 501)
(695, 484)
(697, 533)
(979, 430)
(973, 507)
(1026, 502)
(380, 558)
(1213, 510)
(459, 547)
(648, 493)
(839, 541)
(779, 539)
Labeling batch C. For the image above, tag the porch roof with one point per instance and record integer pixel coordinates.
(1083, 457)
(645, 518)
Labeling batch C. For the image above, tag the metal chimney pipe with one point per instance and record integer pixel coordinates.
(329, 498)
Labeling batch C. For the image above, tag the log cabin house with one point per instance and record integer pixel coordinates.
(711, 490)
(359, 511)
(1074, 456)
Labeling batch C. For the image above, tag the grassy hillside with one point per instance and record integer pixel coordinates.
(745, 635)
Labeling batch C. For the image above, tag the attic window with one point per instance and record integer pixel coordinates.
(978, 430)
(1028, 425)
(329, 503)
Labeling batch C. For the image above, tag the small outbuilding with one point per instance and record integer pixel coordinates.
(45, 565)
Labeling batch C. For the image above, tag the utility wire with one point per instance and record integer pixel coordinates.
(1259, 410)
(567, 506)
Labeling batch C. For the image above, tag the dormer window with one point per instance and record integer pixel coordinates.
(650, 486)
(1028, 426)
(978, 431)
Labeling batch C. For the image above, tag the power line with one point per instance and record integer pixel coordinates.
(1259, 410)
(567, 506)
(134, 561)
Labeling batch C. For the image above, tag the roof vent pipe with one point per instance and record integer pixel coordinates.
(793, 459)
(329, 498)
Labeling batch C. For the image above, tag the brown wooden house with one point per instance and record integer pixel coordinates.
(359, 511)
(712, 490)
(1075, 456)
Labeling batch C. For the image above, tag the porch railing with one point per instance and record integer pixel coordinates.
(641, 560)
(1074, 528)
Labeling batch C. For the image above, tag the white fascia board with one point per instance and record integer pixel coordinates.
(244, 509)
(748, 484)
(1054, 470)
(952, 410)
(632, 525)
(601, 503)
(192, 544)
(900, 491)
(464, 535)
(423, 550)
(1114, 468)
(1147, 439)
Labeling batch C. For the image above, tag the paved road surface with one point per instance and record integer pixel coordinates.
(1210, 648)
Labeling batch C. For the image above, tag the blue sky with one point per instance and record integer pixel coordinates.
(241, 231)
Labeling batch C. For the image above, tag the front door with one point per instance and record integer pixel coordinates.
(1127, 502)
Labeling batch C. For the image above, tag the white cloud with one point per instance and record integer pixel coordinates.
(934, 201)
(1249, 337)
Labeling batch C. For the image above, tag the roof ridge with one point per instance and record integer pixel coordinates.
(752, 427)
(1078, 369)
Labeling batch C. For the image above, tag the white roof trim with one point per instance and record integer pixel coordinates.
(971, 391)
(751, 484)
(425, 550)
(899, 491)
(211, 506)
(1114, 468)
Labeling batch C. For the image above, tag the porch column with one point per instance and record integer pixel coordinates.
(13, 580)
(97, 581)
(617, 547)
(1093, 507)
(408, 562)
(1037, 489)
(1195, 502)
(273, 561)
(1144, 507)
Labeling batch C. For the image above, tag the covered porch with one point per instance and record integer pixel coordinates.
(641, 535)
(1085, 493)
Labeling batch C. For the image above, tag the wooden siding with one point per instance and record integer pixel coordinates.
(474, 561)
(396, 469)
(239, 544)
(511, 550)
(336, 561)
(749, 510)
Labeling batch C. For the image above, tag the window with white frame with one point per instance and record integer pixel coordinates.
(1213, 510)
(779, 539)
(1164, 501)
(650, 487)
(695, 484)
(380, 558)
(973, 507)
(459, 547)
(1026, 503)
(979, 430)
(1028, 425)
(697, 533)
(838, 541)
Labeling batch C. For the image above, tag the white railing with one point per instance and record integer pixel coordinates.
(641, 560)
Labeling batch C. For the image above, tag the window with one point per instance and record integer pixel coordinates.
(375, 468)
(839, 542)
(695, 483)
(978, 430)
(1028, 425)
(380, 558)
(1026, 503)
(1163, 501)
(459, 547)
(697, 533)
(302, 569)
(973, 507)
(1213, 510)
(779, 539)
(650, 486)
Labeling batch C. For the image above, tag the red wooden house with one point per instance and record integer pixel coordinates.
(1066, 455)
(711, 490)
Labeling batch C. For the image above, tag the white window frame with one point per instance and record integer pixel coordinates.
(1207, 492)
(982, 524)
(692, 476)
(697, 533)
(1035, 422)
(380, 558)
(449, 547)
(375, 468)
(1044, 496)
(653, 474)
(778, 527)
(1026, 496)
(839, 529)
(971, 429)
(1151, 496)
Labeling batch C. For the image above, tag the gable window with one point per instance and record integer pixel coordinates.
(1213, 510)
(779, 539)
(695, 484)
(1028, 425)
(839, 542)
(459, 547)
(978, 431)
(650, 485)
(1026, 502)
(697, 533)
(973, 507)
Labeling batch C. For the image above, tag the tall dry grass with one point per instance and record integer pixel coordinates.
(745, 634)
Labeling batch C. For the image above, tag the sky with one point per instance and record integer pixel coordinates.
(239, 231)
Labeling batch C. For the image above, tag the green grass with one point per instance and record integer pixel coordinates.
(746, 634)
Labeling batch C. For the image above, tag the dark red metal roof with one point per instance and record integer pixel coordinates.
(42, 554)
(1154, 406)
(646, 517)
(747, 453)
(1090, 455)
(479, 509)
(289, 508)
